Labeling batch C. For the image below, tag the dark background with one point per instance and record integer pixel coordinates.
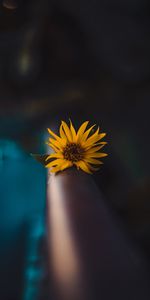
(84, 60)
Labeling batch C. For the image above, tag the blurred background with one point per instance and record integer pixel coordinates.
(70, 59)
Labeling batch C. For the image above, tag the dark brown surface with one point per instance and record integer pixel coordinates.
(88, 254)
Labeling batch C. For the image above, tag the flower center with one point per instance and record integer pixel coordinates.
(73, 152)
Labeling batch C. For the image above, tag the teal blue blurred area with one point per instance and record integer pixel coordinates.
(22, 205)
(34, 271)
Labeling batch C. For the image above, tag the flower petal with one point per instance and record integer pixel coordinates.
(94, 149)
(93, 161)
(53, 134)
(55, 155)
(55, 169)
(82, 165)
(97, 154)
(47, 158)
(55, 162)
(86, 133)
(62, 167)
(81, 130)
(101, 135)
(74, 135)
(94, 138)
(100, 143)
(56, 144)
(66, 165)
(67, 131)
(62, 134)
(53, 147)
(57, 138)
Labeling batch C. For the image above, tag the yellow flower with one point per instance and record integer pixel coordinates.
(79, 148)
